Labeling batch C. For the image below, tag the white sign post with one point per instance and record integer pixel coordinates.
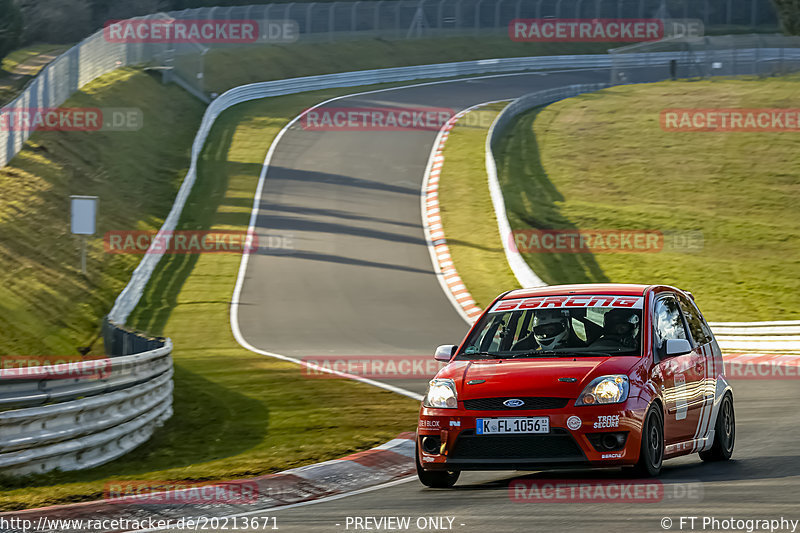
(83, 215)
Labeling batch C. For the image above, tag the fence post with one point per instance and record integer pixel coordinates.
(377, 22)
(497, 14)
(308, 17)
(478, 16)
(331, 11)
(519, 8)
(287, 10)
(558, 9)
(353, 16)
(397, 18)
(754, 14)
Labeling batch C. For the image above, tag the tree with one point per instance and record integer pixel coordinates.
(789, 13)
(56, 21)
(10, 27)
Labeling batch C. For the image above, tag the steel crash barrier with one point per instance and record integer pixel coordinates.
(50, 419)
(78, 415)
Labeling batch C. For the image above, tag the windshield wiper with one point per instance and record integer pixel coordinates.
(562, 353)
(487, 354)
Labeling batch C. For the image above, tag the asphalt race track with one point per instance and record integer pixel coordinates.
(359, 281)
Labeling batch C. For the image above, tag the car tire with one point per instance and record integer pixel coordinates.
(435, 479)
(724, 433)
(651, 453)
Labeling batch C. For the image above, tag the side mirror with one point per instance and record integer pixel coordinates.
(677, 347)
(445, 352)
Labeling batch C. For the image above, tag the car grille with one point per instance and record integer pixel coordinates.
(558, 445)
(496, 404)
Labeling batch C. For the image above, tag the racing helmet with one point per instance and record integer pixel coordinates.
(550, 328)
(622, 325)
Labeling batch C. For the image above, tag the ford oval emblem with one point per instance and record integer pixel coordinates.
(513, 402)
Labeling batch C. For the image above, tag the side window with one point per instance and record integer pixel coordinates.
(695, 321)
(668, 320)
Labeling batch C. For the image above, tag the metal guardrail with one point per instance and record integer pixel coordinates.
(780, 336)
(79, 415)
(656, 66)
(341, 21)
(129, 297)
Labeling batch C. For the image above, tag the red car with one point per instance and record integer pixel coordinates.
(595, 375)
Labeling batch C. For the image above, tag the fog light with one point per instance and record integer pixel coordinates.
(431, 444)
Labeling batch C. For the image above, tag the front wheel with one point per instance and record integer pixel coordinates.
(651, 454)
(435, 479)
(724, 433)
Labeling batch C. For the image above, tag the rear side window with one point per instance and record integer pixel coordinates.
(668, 320)
(697, 326)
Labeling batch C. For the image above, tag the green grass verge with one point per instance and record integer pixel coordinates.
(466, 208)
(20, 66)
(18, 57)
(602, 161)
(227, 68)
(237, 414)
(48, 306)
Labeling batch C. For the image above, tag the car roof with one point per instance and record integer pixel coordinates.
(617, 289)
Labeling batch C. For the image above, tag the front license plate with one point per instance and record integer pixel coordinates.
(491, 426)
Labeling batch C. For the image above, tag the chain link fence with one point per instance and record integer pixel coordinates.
(184, 62)
(704, 57)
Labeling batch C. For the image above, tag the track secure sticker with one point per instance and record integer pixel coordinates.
(566, 302)
(611, 421)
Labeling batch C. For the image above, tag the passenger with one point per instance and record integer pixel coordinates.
(620, 329)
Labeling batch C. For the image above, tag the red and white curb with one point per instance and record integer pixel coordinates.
(446, 271)
(354, 473)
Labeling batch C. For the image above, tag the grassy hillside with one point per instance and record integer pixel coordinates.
(46, 305)
(602, 161)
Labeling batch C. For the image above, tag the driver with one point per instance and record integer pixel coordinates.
(620, 328)
(550, 331)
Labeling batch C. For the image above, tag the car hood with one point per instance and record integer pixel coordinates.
(492, 378)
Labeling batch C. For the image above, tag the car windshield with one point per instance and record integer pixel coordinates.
(558, 326)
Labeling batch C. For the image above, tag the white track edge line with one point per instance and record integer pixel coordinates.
(237, 291)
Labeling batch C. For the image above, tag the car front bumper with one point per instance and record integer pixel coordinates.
(447, 439)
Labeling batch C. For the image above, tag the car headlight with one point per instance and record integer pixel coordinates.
(605, 390)
(441, 394)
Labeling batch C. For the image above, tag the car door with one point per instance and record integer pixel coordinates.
(708, 362)
(680, 378)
